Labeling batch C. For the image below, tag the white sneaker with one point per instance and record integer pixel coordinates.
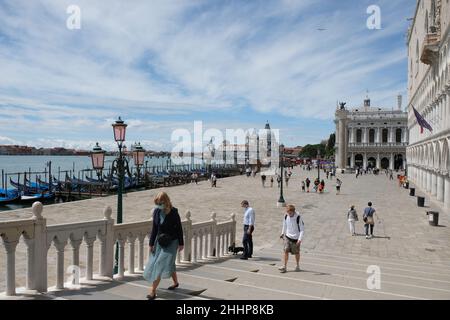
(367, 237)
(282, 269)
(297, 268)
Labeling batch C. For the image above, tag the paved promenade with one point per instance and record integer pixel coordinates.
(413, 256)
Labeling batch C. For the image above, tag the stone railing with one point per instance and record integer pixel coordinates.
(204, 240)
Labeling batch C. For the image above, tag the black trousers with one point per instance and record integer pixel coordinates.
(247, 241)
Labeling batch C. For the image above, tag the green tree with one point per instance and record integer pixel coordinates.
(330, 145)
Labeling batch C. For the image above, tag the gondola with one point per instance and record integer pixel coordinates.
(9, 196)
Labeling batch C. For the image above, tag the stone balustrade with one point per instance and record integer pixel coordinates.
(204, 240)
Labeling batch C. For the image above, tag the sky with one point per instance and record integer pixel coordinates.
(161, 65)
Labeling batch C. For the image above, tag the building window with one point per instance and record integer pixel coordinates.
(372, 136)
(398, 135)
(358, 136)
(385, 136)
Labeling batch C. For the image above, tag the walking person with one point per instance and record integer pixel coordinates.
(263, 180)
(391, 175)
(165, 240)
(279, 180)
(292, 234)
(303, 186)
(321, 186)
(338, 186)
(368, 218)
(271, 181)
(352, 217)
(213, 180)
(308, 182)
(249, 227)
(286, 179)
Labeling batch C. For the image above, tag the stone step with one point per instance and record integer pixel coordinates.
(347, 285)
(431, 274)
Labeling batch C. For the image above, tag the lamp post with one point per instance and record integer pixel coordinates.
(98, 160)
(119, 129)
(138, 158)
(318, 164)
(281, 202)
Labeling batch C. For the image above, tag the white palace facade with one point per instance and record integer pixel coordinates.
(429, 93)
(371, 137)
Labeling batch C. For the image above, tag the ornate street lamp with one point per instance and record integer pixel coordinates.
(138, 158)
(120, 164)
(281, 202)
(98, 160)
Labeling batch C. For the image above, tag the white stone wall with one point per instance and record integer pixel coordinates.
(429, 93)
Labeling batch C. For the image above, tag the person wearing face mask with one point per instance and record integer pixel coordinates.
(166, 240)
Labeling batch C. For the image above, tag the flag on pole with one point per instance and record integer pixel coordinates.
(421, 121)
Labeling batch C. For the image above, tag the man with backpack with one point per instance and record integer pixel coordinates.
(368, 218)
(292, 233)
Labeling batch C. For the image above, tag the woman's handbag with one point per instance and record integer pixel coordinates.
(369, 220)
(164, 239)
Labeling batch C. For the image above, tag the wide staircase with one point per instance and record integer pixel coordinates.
(323, 275)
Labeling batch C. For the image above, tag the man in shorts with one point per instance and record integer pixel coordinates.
(292, 233)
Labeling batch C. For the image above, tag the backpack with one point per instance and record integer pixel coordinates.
(298, 221)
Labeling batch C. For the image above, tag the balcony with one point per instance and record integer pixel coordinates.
(430, 49)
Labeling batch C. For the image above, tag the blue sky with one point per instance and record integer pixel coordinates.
(162, 65)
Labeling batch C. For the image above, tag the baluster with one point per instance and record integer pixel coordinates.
(60, 245)
(194, 240)
(75, 244)
(121, 270)
(30, 263)
(188, 238)
(10, 246)
(141, 239)
(212, 236)
(201, 245)
(131, 242)
(90, 258)
(218, 253)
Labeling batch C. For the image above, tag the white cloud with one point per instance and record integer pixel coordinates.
(181, 57)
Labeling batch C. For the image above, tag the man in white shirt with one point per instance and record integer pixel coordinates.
(292, 233)
(249, 226)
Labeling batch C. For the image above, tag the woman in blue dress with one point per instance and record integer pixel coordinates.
(166, 240)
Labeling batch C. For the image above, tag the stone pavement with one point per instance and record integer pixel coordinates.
(414, 257)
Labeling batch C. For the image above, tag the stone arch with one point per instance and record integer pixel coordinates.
(385, 163)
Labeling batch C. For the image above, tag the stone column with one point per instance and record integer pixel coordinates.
(378, 161)
(60, 245)
(89, 257)
(365, 160)
(352, 160)
(107, 245)
(433, 184)
(10, 247)
(131, 240)
(141, 240)
(440, 187)
(429, 182)
(391, 162)
(447, 191)
(342, 155)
